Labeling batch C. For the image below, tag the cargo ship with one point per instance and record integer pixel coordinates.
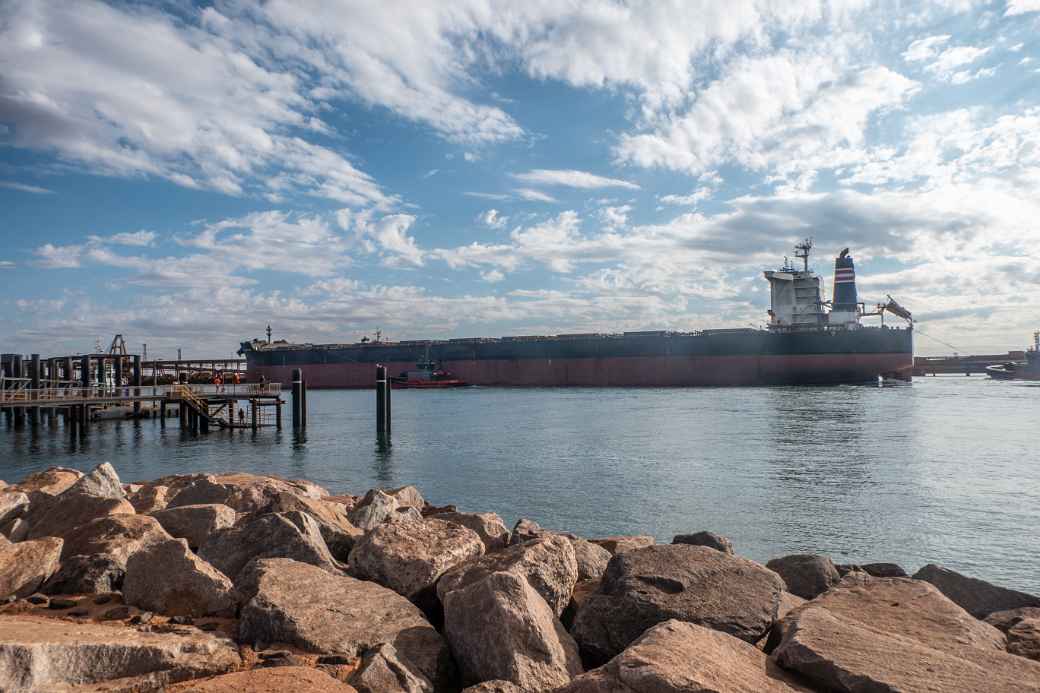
(808, 340)
(1027, 370)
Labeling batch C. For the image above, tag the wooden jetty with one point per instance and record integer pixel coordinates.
(80, 387)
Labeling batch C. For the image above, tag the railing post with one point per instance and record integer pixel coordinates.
(137, 385)
(34, 383)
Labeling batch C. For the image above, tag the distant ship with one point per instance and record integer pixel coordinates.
(808, 341)
(1016, 370)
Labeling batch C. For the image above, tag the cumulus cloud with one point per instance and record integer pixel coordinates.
(534, 195)
(170, 99)
(493, 219)
(1016, 7)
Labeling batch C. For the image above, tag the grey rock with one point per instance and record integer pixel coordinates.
(978, 597)
(897, 634)
(592, 559)
(25, 566)
(881, 570)
(101, 482)
(1024, 639)
(548, 564)
(169, 579)
(489, 526)
(501, 628)
(408, 497)
(409, 557)
(382, 670)
(496, 686)
(644, 587)
(68, 511)
(246, 493)
(117, 536)
(305, 606)
(526, 530)
(150, 498)
(15, 530)
(12, 506)
(622, 543)
(677, 656)
(709, 539)
(45, 654)
(276, 535)
(87, 574)
(373, 510)
(336, 529)
(196, 523)
(1004, 620)
(806, 575)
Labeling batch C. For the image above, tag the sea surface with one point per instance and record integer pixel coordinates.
(945, 470)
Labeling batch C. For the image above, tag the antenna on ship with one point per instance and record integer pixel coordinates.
(802, 251)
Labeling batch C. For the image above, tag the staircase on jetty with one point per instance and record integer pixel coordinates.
(200, 410)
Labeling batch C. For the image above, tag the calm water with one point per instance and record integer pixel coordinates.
(942, 471)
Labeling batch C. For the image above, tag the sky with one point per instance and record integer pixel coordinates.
(187, 173)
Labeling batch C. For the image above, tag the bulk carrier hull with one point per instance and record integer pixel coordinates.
(660, 359)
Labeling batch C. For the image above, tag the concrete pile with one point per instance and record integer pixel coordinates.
(239, 582)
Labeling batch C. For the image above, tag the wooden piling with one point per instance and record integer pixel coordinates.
(298, 411)
(34, 384)
(382, 401)
(137, 384)
(162, 414)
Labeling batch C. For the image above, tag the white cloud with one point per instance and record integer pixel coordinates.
(1016, 7)
(571, 179)
(534, 195)
(7, 264)
(170, 99)
(615, 217)
(23, 187)
(136, 238)
(789, 110)
(926, 48)
(492, 276)
(946, 63)
(493, 219)
(53, 256)
(488, 196)
(697, 196)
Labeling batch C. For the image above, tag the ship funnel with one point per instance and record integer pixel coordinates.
(845, 298)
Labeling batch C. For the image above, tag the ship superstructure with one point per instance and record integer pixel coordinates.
(807, 340)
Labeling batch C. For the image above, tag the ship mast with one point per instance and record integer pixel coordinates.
(802, 251)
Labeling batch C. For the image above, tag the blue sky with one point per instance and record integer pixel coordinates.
(186, 173)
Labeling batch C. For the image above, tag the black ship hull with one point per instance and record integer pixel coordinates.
(713, 358)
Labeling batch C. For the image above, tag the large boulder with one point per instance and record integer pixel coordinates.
(12, 506)
(376, 508)
(897, 634)
(882, 570)
(806, 575)
(501, 628)
(382, 670)
(408, 497)
(548, 564)
(1005, 620)
(44, 654)
(25, 566)
(101, 482)
(647, 586)
(526, 530)
(592, 558)
(709, 539)
(150, 498)
(496, 686)
(409, 557)
(15, 530)
(298, 679)
(622, 543)
(1023, 638)
(245, 493)
(71, 510)
(196, 523)
(978, 597)
(169, 579)
(304, 606)
(336, 529)
(117, 536)
(679, 656)
(275, 535)
(49, 482)
(87, 574)
(488, 526)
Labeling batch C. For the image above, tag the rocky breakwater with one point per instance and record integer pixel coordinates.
(238, 582)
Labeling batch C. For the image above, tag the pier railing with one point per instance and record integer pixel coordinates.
(17, 391)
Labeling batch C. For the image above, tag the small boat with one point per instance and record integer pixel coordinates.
(426, 376)
(1018, 370)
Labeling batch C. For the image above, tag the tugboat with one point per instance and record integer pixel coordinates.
(1030, 370)
(427, 375)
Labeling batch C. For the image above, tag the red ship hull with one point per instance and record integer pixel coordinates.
(633, 371)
